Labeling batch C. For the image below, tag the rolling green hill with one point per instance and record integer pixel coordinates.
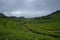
(38, 28)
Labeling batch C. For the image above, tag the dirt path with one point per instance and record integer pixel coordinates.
(33, 31)
(55, 31)
(52, 30)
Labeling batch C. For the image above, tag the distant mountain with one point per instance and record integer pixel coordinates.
(49, 16)
(2, 15)
(54, 14)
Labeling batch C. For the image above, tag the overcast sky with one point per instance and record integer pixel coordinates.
(29, 8)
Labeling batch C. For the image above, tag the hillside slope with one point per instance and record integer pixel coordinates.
(42, 28)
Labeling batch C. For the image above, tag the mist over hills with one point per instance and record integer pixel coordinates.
(2, 15)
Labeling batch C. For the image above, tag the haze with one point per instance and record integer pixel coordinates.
(29, 8)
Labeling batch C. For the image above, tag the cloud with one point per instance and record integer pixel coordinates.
(29, 3)
(16, 13)
(28, 8)
(34, 13)
(27, 13)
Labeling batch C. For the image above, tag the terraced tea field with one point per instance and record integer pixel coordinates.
(30, 28)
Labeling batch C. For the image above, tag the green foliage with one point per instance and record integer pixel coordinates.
(39, 28)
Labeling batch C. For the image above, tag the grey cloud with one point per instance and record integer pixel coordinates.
(29, 8)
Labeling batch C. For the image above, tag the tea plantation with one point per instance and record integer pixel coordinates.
(38, 28)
